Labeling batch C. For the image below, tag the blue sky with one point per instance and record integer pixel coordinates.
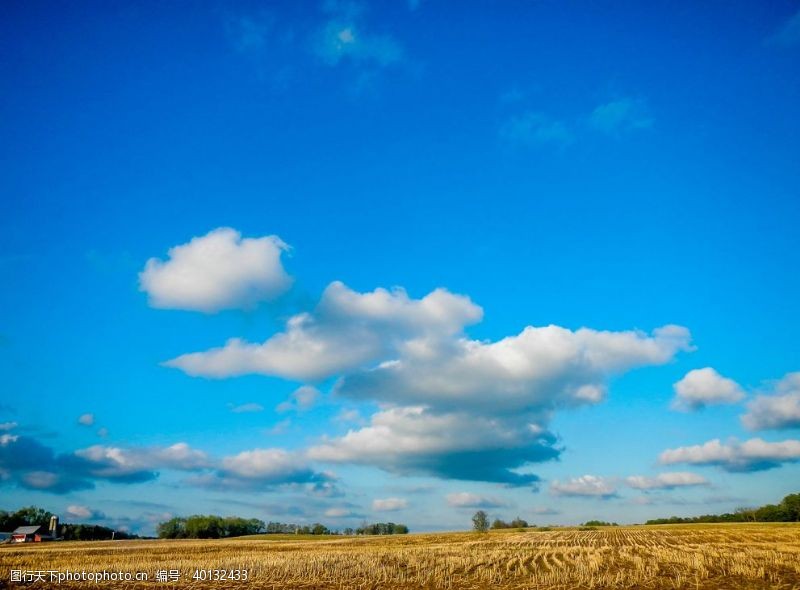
(535, 258)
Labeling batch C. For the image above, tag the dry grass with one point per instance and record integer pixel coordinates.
(687, 556)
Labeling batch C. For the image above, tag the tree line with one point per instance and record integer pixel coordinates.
(201, 526)
(35, 516)
(788, 510)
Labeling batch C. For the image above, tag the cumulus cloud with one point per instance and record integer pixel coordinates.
(586, 485)
(621, 115)
(346, 330)
(140, 463)
(533, 129)
(704, 387)
(754, 454)
(262, 469)
(303, 398)
(539, 369)
(344, 38)
(389, 504)
(450, 406)
(86, 419)
(412, 440)
(220, 270)
(33, 465)
(666, 481)
(26, 462)
(453, 407)
(779, 409)
(29, 464)
(470, 500)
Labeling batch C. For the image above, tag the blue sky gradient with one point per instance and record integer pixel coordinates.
(617, 167)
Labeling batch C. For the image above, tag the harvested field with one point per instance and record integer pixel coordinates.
(684, 556)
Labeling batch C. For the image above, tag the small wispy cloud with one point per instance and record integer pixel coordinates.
(345, 37)
(389, 504)
(534, 128)
(666, 481)
(620, 116)
(86, 419)
(586, 485)
(84, 512)
(470, 500)
(247, 408)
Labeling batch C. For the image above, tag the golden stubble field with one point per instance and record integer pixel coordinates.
(686, 556)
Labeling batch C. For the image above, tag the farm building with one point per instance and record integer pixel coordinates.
(26, 534)
(35, 533)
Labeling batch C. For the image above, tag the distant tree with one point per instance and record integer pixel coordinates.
(318, 529)
(746, 514)
(382, 528)
(519, 523)
(599, 523)
(27, 516)
(174, 528)
(770, 513)
(790, 506)
(480, 521)
(500, 524)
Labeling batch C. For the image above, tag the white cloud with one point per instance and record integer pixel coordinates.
(666, 481)
(450, 406)
(263, 464)
(538, 369)
(470, 500)
(453, 407)
(754, 454)
(247, 408)
(263, 469)
(704, 387)
(7, 439)
(8, 425)
(345, 331)
(86, 419)
(412, 440)
(586, 485)
(533, 128)
(621, 115)
(303, 398)
(83, 512)
(389, 504)
(777, 410)
(220, 270)
(139, 462)
(340, 512)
